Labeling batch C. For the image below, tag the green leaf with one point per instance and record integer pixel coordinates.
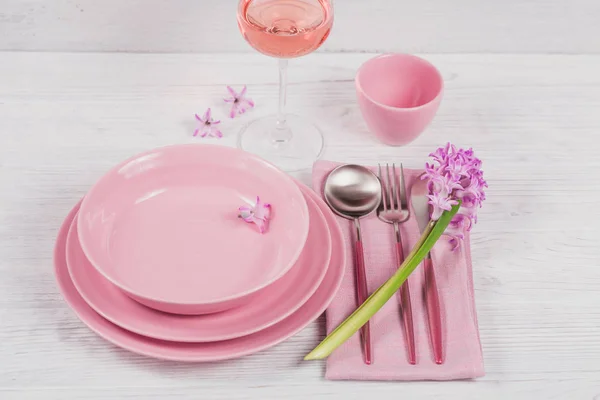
(358, 318)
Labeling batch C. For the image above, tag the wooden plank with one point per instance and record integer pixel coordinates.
(430, 26)
(66, 118)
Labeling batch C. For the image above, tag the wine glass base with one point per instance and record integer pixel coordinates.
(294, 146)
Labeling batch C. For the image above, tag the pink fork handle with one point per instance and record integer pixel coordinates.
(362, 294)
(433, 311)
(407, 318)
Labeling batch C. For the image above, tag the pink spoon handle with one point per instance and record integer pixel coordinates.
(407, 318)
(362, 294)
(433, 311)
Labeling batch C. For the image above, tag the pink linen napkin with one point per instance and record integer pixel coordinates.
(453, 270)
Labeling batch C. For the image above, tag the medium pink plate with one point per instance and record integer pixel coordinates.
(276, 302)
(163, 226)
(212, 351)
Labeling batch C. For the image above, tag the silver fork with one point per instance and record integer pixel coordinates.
(394, 210)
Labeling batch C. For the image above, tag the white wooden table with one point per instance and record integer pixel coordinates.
(522, 88)
(533, 119)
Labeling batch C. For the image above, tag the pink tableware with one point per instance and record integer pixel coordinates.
(398, 95)
(275, 303)
(212, 351)
(454, 274)
(163, 226)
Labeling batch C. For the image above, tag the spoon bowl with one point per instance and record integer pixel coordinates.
(352, 191)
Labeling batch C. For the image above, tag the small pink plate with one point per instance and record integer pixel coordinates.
(163, 226)
(212, 351)
(276, 302)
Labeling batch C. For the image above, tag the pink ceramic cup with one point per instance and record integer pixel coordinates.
(398, 95)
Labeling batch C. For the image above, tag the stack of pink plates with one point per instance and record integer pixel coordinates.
(155, 259)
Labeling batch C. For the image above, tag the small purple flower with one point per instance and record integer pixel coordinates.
(456, 229)
(259, 214)
(455, 175)
(239, 102)
(457, 168)
(207, 126)
(440, 203)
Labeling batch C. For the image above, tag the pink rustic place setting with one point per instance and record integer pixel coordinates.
(202, 252)
(165, 258)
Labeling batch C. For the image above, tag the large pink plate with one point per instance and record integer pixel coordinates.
(163, 226)
(211, 351)
(276, 302)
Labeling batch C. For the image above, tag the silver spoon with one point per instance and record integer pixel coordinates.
(353, 191)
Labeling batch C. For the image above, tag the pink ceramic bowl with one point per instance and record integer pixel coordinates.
(398, 95)
(163, 226)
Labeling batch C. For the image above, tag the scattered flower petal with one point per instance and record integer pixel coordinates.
(239, 102)
(259, 214)
(207, 126)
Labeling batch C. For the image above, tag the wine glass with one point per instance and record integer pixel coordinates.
(284, 29)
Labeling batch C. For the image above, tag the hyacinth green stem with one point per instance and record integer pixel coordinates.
(358, 318)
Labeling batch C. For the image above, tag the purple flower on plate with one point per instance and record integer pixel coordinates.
(455, 175)
(207, 126)
(258, 214)
(239, 102)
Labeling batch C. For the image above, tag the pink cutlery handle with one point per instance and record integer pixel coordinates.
(362, 294)
(433, 311)
(407, 318)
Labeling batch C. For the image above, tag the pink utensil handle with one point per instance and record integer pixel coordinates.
(434, 315)
(362, 294)
(407, 318)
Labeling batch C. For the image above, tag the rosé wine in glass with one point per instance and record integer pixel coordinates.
(285, 28)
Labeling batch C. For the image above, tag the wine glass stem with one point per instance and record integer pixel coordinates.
(283, 63)
(282, 132)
